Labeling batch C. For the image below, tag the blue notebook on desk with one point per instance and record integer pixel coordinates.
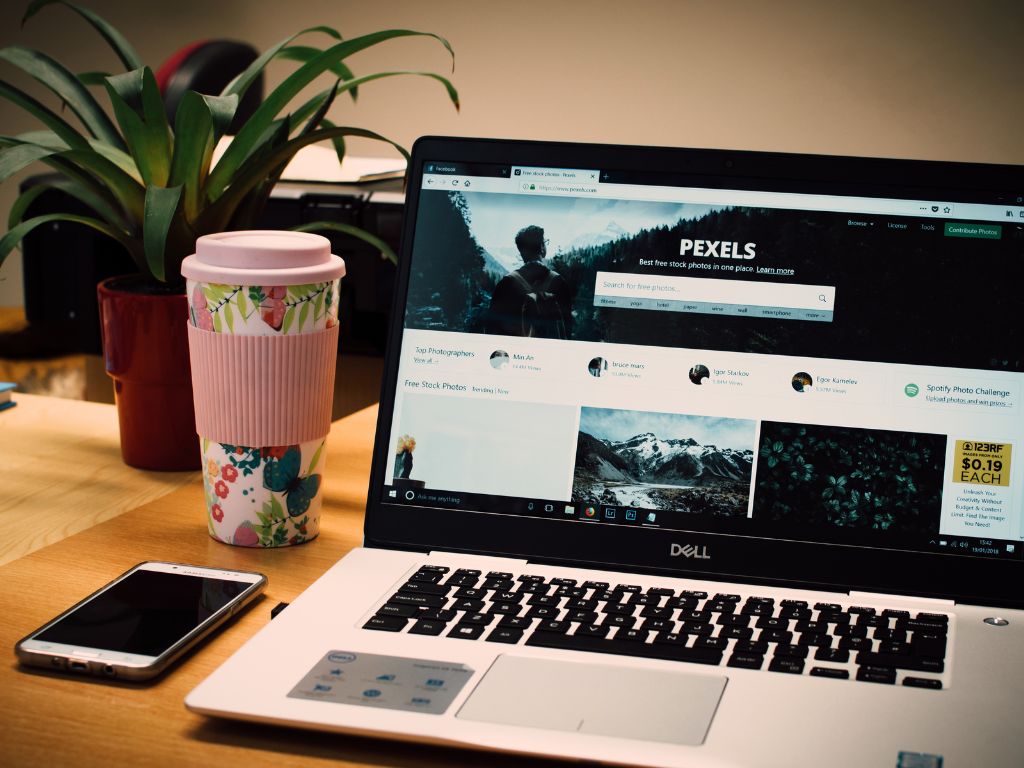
(6, 387)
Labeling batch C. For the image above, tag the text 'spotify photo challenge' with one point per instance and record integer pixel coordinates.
(664, 461)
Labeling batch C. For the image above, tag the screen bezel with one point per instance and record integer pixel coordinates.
(732, 557)
(256, 582)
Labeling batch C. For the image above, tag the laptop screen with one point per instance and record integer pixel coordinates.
(600, 346)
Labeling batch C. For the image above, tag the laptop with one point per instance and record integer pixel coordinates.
(684, 458)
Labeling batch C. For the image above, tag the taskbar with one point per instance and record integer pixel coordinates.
(415, 493)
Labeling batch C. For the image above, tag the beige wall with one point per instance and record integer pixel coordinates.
(937, 80)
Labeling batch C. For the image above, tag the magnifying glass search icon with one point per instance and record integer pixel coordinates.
(822, 299)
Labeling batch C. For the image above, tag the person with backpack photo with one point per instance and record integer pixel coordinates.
(534, 300)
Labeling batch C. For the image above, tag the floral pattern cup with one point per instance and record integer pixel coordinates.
(262, 496)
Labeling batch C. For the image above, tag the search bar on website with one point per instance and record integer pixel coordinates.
(790, 301)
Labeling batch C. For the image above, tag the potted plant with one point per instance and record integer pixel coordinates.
(154, 188)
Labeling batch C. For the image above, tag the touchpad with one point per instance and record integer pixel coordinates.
(652, 705)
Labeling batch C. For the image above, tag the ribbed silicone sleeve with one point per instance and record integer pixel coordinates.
(263, 390)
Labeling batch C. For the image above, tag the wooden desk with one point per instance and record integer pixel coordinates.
(54, 720)
(61, 472)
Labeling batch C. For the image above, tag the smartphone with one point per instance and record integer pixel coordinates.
(141, 622)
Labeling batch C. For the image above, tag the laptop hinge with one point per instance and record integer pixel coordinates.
(871, 596)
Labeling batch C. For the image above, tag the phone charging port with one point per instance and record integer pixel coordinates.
(78, 666)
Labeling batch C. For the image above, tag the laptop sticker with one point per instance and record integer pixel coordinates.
(383, 682)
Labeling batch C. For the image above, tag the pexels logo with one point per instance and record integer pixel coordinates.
(717, 248)
(691, 551)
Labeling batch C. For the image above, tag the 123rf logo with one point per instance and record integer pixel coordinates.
(982, 463)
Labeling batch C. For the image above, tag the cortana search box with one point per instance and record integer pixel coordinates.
(740, 298)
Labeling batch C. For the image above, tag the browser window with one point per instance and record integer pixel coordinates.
(589, 345)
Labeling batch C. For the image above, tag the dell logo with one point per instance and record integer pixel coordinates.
(689, 550)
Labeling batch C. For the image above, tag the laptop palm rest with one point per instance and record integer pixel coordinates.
(601, 699)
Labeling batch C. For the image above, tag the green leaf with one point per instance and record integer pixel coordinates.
(289, 315)
(241, 84)
(46, 116)
(303, 314)
(161, 204)
(318, 306)
(367, 237)
(217, 324)
(13, 159)
(279, 98)
(14, 236)
(304, 53)
(229, 317)
(93, 78)
(124, 50)
(276, 507)
(140, 112)
(126, 190)
(240, 303)
(315, 460)
(193, 148)
(23, 203)
(219, 213)
(66, 86)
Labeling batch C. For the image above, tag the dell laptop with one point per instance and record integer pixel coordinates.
(684, 458)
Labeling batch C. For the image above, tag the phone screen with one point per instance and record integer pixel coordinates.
(144, 613)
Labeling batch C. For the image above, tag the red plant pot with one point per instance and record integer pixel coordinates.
(145, 347)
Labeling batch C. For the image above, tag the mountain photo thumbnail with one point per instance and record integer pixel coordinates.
(664, 461)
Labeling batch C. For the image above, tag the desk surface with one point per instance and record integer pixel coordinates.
(50, 719)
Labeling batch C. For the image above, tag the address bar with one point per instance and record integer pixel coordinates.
(712, 291)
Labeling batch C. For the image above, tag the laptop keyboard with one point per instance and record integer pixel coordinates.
(786, 636)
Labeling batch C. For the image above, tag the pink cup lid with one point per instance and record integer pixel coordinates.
(263, 257)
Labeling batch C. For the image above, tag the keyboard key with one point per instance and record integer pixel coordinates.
(477, 618)
(423, 588)
(658, 625)
(472, 606)
(427, 627)
(600, 586)
(890, 634)
(467, 631)
(469, 592)
(618, 609)
(584, 617)
(812, 626)
(746, 660)
(533, 588)
(632, 635)
(793, 651)
(695, 628)
(834, 617)
(550, 625)
(564, 582)
(929, 645)
(838, 674)
(770, 622)
(732, 620)
(746, 646)
(885, 675)
(505, 635)
(437, 614)
(736, 633)
(430, 601)
(652, 612)
(922, 682)
(506, 597)
(727, 597)
(631, 588)
(436, 568)
(581, 605)
(786, 664)
(501, 575)
(505, 609)
(861, 611)
(828, 607)
(686, 615)
(391, 609)
(515, 622)
(720, 606)
(758, 609)
(855, 643)
(591, 630)
(542, 612)
(916, 663)
(700, 595)
(543, 600)
(530, 578)
(429, 577)
(386, 623)
(775, 636)
(664, 592)
(937, 618)
(715, 643)
(795, 603)
(815, 639)
(617, 620)
(794, 612)
(836, 655)
(850, 630)
(894, 614)
(572, 593)
(501, 585)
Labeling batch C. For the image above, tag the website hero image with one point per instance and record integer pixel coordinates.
(678, 361)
